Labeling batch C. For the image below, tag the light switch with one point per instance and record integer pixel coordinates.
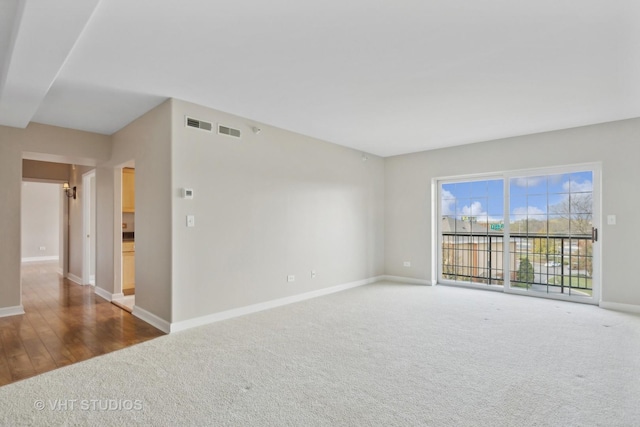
(611, 219)
(191, 221)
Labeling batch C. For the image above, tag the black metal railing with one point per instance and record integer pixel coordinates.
(558, 263)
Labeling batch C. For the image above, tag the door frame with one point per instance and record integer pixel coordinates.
(88, 217)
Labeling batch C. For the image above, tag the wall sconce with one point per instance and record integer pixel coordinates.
(70, 192)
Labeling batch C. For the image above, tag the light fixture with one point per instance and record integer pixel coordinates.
(70, 192)
(256, 130)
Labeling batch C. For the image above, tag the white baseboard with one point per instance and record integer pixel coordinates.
(74, 278)
(92, 280)
(59, 270)
(103, 294)
(152, 319)
(629, 308)
(254, 308)
(40, 258)
(407, 280)
(11, 311)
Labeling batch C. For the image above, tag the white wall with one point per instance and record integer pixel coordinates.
(147, 142)
(616, 145)
(105, 219)
(267, 206)
(40, 220)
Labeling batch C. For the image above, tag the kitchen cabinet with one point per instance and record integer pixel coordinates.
(128, 190)
(128, 267)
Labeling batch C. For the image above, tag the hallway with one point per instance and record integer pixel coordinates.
(64, 324)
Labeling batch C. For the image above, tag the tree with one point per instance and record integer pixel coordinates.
(525, 271)
(576, 212)
(542, 246)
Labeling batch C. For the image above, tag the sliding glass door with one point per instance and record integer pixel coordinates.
(530, 233)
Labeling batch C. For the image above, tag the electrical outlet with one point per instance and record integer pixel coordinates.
(291, 278)
(611, 219)
(43, 248)
(313, 274)
(407, 263)
(191, 221)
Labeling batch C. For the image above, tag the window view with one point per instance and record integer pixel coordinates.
(551, 233)
(473, 231)
(550, 225)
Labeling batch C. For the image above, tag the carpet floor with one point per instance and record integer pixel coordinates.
(380, 355)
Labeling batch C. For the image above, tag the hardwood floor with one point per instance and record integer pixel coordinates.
(64, 323)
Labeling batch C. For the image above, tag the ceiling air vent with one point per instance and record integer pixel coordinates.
(198, 124)
(224, 130)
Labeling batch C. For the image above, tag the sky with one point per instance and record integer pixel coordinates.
(530, 197)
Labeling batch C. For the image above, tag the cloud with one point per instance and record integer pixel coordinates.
(448, 203)
(474, 210)
(529, 210)
(448, 208)
(578, 187)
(526, 181)
(479, 212)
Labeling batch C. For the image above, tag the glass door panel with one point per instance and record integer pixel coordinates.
(551, 224)
(472, 231)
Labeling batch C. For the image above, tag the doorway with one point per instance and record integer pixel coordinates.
(126, 298)
(532, 233)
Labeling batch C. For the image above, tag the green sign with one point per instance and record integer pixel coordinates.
(498, 227)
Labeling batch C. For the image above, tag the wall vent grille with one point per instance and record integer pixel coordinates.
(225, 130)
(198, 124)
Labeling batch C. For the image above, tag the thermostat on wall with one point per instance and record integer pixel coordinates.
(187, 193)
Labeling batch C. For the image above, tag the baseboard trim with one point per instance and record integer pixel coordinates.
(152, 319)
(40, 258)
(11, 311)
(407, 280)
(254, 308)
(103, 294)
(629, 308)
(74, 278)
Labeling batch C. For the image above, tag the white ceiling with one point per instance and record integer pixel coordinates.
(379, 76)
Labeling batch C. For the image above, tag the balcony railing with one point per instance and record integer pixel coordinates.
(559, 264)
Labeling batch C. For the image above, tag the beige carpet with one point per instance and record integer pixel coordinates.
(384, 354)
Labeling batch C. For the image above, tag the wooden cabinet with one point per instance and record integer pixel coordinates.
(128, 267)
(128, 190)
